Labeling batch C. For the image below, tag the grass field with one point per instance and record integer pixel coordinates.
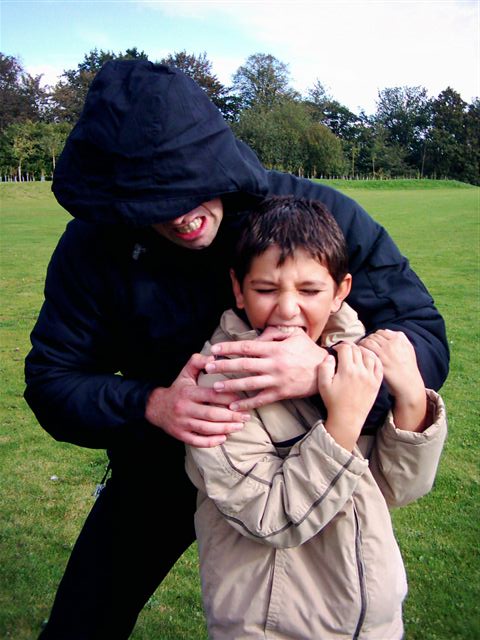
(436, 225)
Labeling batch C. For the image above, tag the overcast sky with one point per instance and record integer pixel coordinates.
(353, 47)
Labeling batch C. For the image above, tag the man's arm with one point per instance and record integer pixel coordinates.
(386, 293)
(72, 384)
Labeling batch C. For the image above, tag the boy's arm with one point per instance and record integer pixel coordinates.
(404, 463)
(405, 458)
(283, 502)
(402, 376)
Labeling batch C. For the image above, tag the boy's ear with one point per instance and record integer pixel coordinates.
(342, 292)
(237, 290)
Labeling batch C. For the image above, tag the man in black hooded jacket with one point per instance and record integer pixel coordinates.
(157, 183)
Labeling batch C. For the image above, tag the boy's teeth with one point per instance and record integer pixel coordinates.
(191, 226)
(285, 329)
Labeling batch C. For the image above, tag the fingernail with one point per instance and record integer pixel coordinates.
(245, 417)
(215, 349)
(211, 367)
(233, 406)
(218, 386)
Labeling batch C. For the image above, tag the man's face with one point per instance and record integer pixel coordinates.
(300, 293)
(197, 228)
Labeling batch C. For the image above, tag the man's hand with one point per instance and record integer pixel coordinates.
(402, 376)
(349, 392)
(184, 410)
(274, 367)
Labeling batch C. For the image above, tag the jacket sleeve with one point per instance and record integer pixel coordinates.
(386, 292)
(72, 384)
(404, 463)
(278, 501)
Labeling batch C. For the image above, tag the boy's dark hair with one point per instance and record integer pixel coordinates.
(292, 223)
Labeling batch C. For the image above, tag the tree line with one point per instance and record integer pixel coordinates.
(410, 134)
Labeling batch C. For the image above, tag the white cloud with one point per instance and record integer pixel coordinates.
(355, 47)
(50, 74)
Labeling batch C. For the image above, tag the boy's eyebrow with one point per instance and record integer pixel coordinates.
(316, 283)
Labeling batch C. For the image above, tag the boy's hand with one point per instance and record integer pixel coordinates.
(402, 376)
(398, 358)
(349, 393)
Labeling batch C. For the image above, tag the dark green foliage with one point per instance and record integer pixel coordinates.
(286, 137)
(410, 136)
(262, 82)
(21, 97)
(452, 146)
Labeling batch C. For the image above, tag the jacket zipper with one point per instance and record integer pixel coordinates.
(361, 576)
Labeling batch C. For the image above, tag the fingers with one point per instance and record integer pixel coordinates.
(208, 395)
(326, 371)
(248, 348)
(213, 414)
(352, 355)
(200, 432)
(241, 366)
(383, 337)
(372, 363)
(259, 400)
(272, 333)
(195, 365)
(252, 383)
(392, 347)
(203, 442)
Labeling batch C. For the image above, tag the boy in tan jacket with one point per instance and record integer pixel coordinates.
(294, 533)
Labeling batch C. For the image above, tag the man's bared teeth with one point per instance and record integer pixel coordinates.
(191, 226)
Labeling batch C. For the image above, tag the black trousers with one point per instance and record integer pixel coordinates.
(139, 526)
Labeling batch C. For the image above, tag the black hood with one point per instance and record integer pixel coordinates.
(149, 147)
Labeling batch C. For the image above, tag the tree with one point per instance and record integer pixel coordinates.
(318, 94)
(52, 140)
(453, 142)
(472, 146)
(23, 144)
(323, 153)
(262, 81)
(286, 138)
(21, 96)
(404, 113)
(199, 68)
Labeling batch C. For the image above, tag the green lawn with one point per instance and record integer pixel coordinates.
(436, 225)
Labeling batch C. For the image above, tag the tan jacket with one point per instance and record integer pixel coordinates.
(295, 540)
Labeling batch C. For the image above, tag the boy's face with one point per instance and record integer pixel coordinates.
(299, 293)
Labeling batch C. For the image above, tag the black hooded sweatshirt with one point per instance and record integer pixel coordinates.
(125, 308)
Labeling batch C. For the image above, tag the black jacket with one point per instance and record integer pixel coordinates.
(124, 308)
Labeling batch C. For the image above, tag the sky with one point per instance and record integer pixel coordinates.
(353, 47)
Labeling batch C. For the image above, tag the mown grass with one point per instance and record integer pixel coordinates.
(437, 227)
(395, 184)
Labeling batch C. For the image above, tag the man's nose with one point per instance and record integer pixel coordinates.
(178, 221)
